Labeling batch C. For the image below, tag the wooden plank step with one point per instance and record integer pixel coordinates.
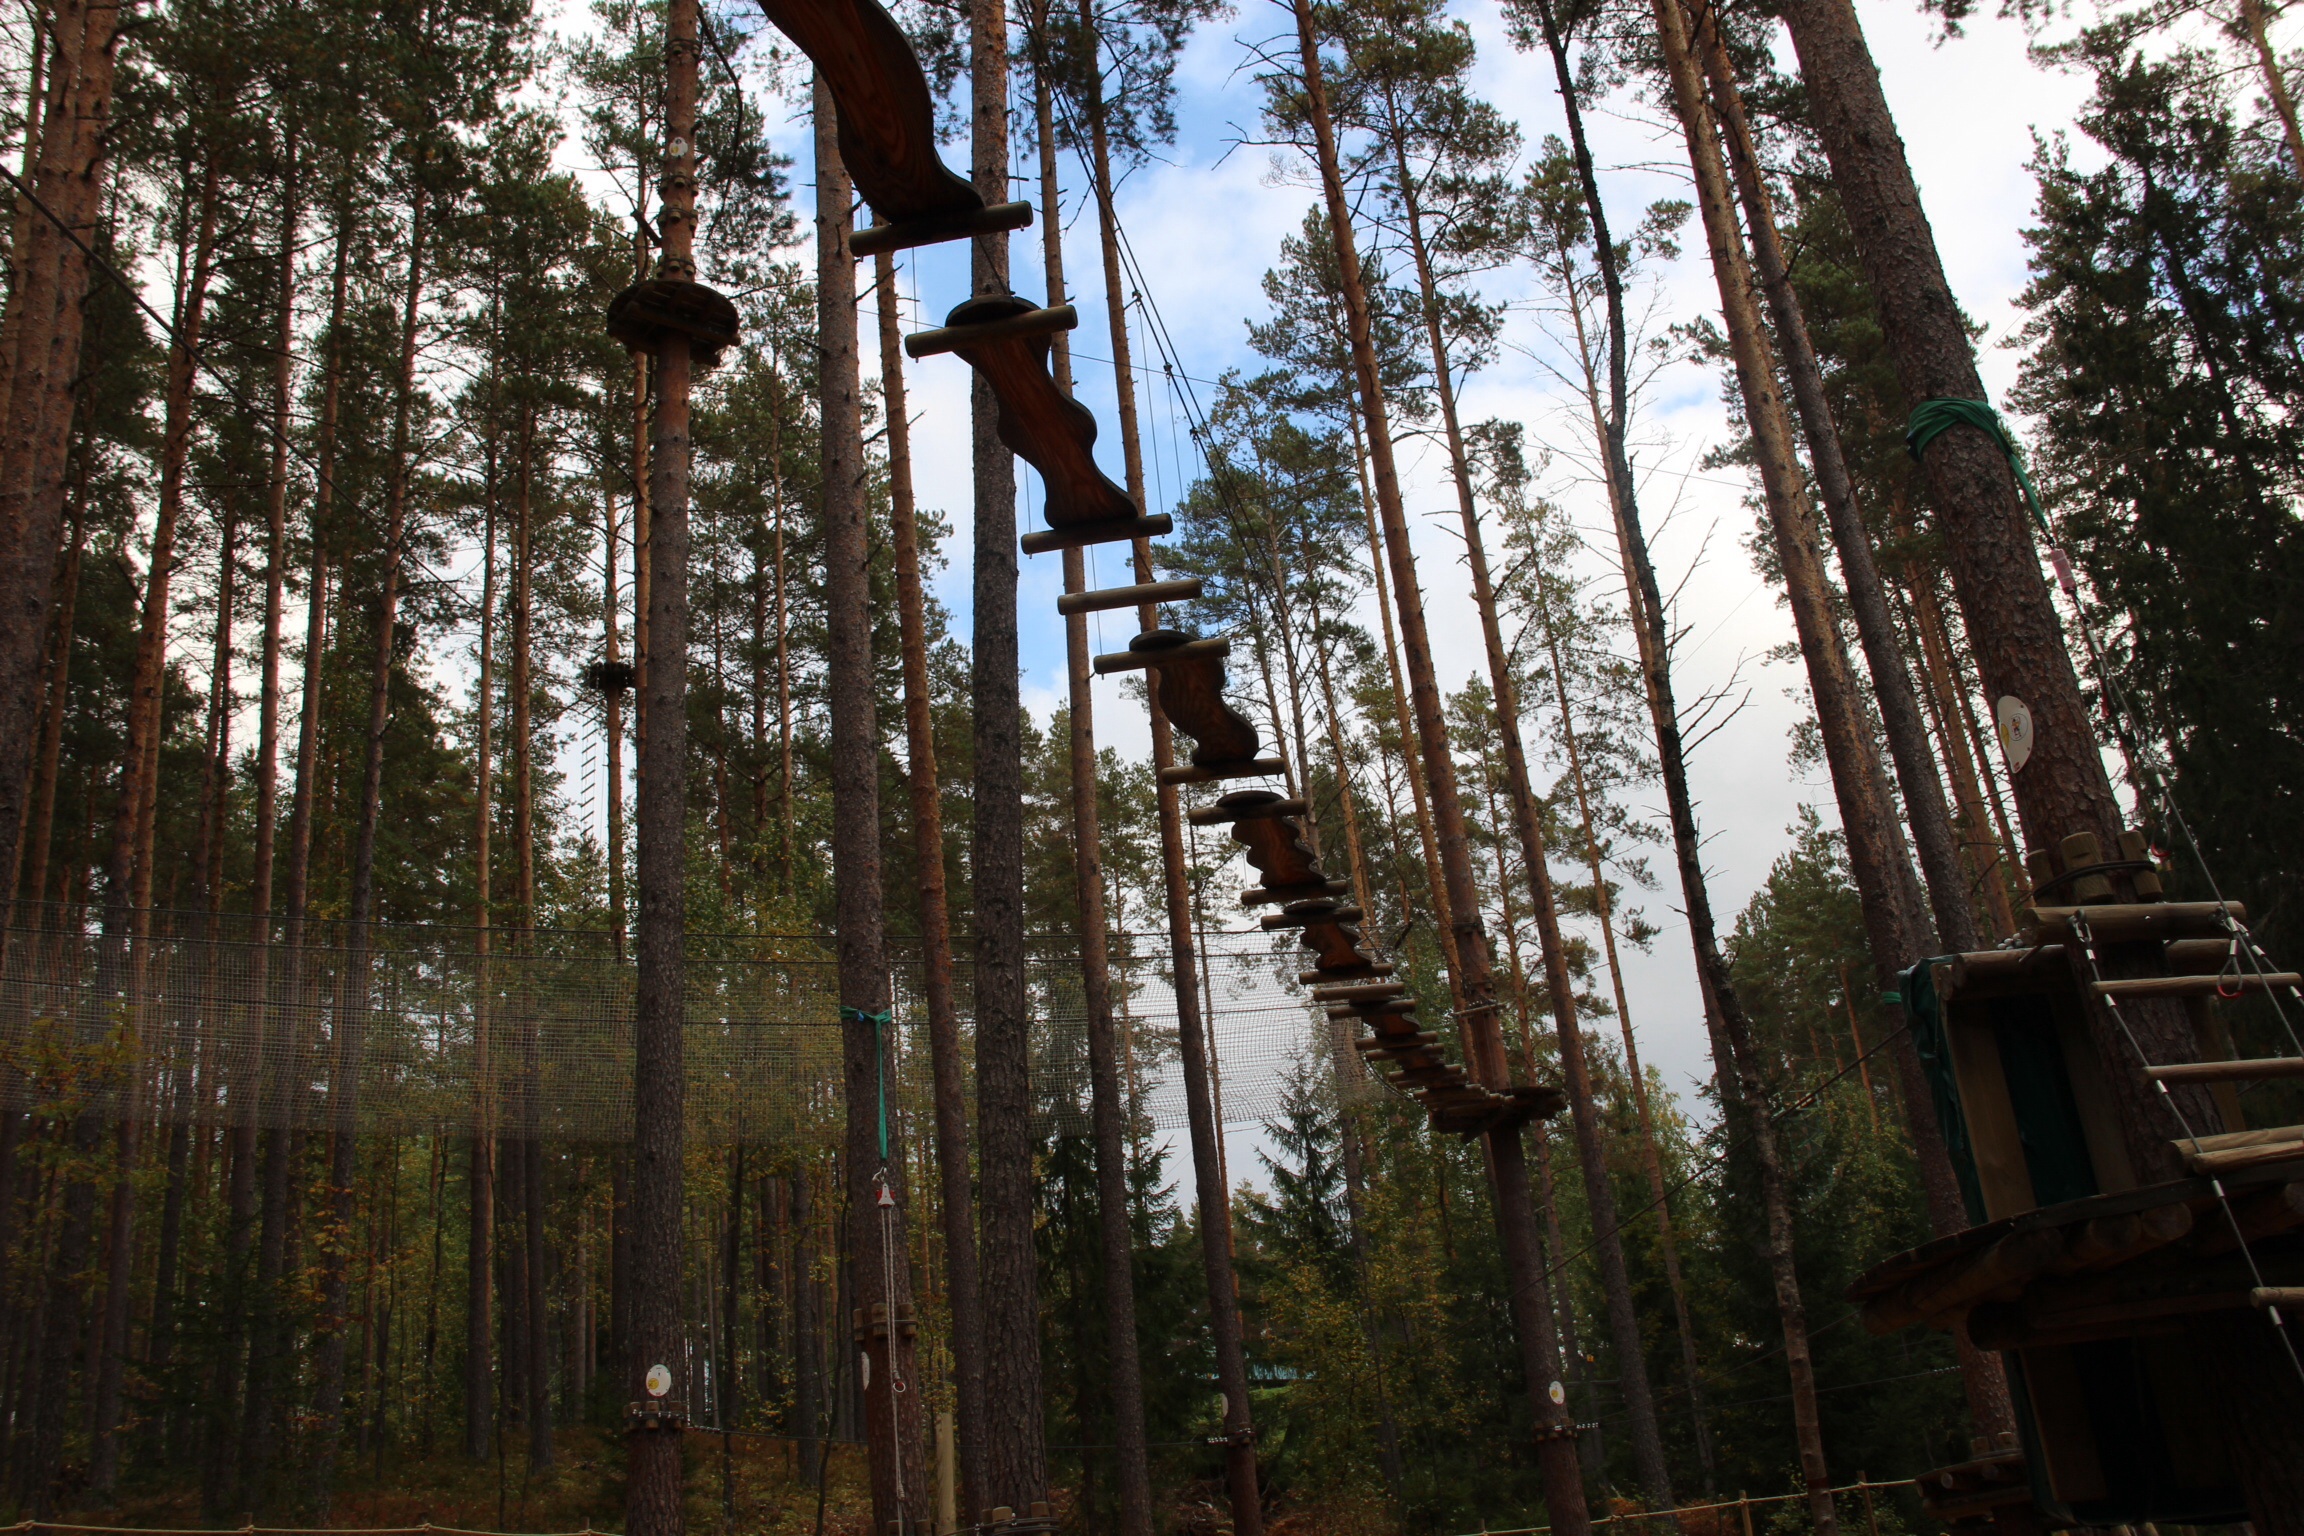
(1032, 322)
(2257, 1069)
(1238, 768)
(1104, 599)
(1262, 896)
(1344, 973)
(2193, 986)
(2209, 1165)
(1132, 659)
(1359, 992)
(1103, 530)
(1379, 1044)
(2129, 922)
(2224, 1141)
(1373, 1013)
(1269, 810)
(1330, 912)
(1110, 530)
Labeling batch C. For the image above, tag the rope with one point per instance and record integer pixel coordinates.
(1931, 419)
(886, 1201)
(879, 1022)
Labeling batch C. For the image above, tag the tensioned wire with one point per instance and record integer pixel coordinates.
(209, 1024)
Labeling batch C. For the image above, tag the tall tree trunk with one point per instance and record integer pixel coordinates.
(43, 369)
(1991, 848)
(2019, 643)
(1107, 1109)
(1733, 1051)
(1867, 810)
(652, 1501)
(612, 722)
(267, 1318)
(1427, 841)
(876, 1186)
(219, 1474)
(1651, 1162)
(1211, 1195)
(1475, 989)
(480, 1175)
(1560, 991)
(2275, 81)
(957, 1205)
(42, 826)
(1015, 1454)
(343, 1086)
(807, 1328)
(127, 886)
(128, 877)
(538, 1381)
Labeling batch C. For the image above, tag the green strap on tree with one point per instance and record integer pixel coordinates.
(879, 1023)
(1930, 419)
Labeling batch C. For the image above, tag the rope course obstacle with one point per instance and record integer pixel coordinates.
(887, 141)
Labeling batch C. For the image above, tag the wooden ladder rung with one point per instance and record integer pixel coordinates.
(1392, 1045)
(1110, 530)
(1238, 768)
(2193, 986)
(1261, 896)
(934, 228)
(1032, 322)
(1269, 810)
(1359, 992)
(1104, 599)
(1344, 973)
(1372, 1013)
(1191, 650)
(2245, 1071)
(2134, 922)
(1331, 912)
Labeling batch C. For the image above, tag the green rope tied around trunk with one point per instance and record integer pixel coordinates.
(879, 1023)
(1931, 418)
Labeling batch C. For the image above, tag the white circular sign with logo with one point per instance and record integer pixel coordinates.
(659, 1380)
(2015, 720)
(1559, 1393)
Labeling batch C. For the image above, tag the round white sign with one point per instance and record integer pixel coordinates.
(1559, 1393)
(659, 1380)
(2015, 720)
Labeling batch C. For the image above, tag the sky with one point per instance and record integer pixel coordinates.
(1206, 220)
(1206, 217)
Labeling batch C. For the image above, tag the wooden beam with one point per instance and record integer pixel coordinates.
(1103, 599)
(2193, 986)
(2259, 1069)
(1238, 768)
(1133, 660)
(1033, 322)
(1111, 530)
(905, 234)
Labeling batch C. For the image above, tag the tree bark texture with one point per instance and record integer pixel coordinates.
(962, 1284)
(1476, 997)
(44, 364)
(1015, 1455)
(876, 1193)
(652, 1503)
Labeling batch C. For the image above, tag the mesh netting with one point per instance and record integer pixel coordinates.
(206, 1022)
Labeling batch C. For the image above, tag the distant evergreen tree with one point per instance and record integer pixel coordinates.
(2167, 296)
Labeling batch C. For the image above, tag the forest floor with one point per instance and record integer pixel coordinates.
(762, 1494)
(757, 1491)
